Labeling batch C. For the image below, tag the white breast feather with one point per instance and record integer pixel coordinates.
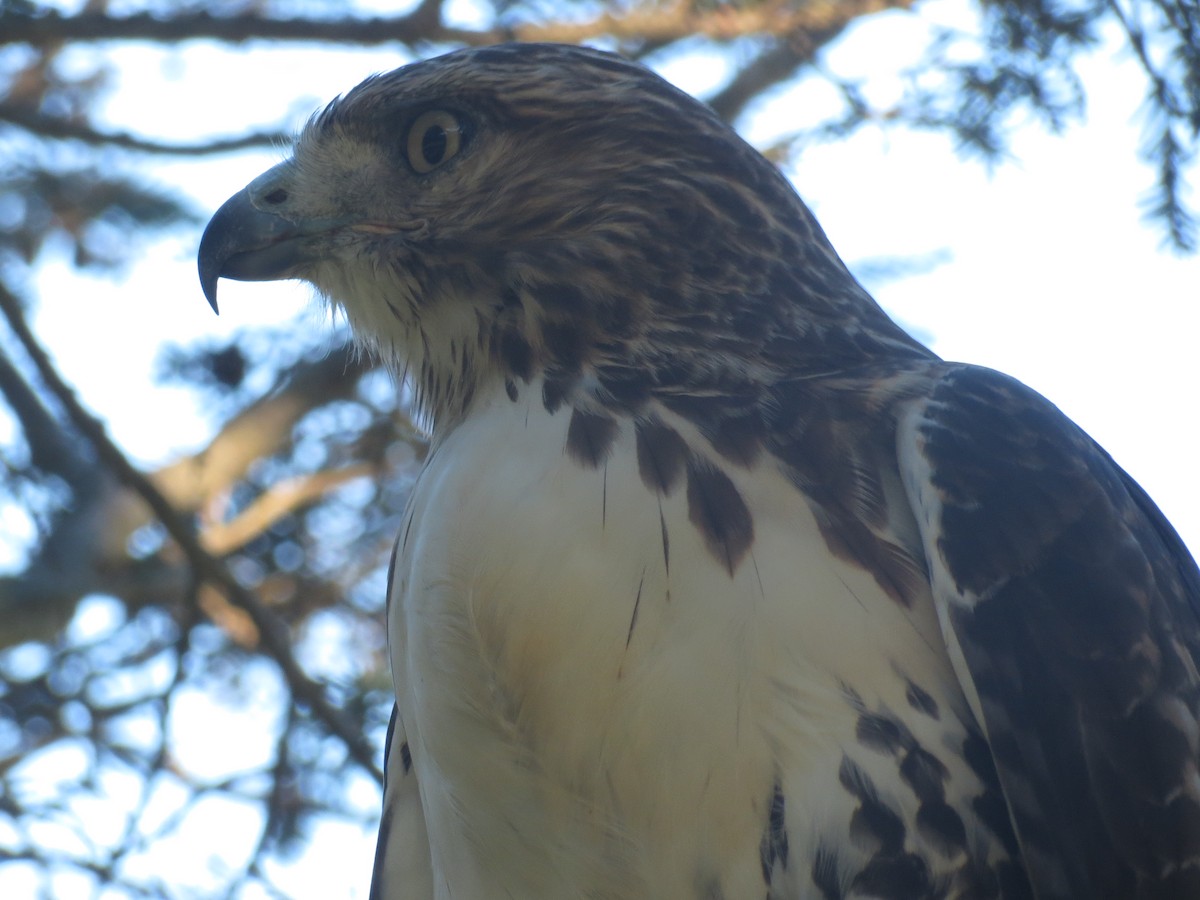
(556, 746)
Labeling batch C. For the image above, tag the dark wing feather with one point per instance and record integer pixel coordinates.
(1076, 610)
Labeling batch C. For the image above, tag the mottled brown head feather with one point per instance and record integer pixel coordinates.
(597, 227)
(604, 235)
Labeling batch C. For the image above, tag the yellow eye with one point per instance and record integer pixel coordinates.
(434, 138)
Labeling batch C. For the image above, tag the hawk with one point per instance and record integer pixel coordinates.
(716, 584)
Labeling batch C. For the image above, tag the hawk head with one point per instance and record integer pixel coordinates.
(552, 213)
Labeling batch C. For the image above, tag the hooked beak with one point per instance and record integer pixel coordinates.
(245, 244)
(251, 237)
(255, 235)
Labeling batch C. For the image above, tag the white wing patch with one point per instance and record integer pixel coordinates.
(927, 508)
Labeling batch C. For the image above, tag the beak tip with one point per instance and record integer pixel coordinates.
(244, 243)
(208, 284)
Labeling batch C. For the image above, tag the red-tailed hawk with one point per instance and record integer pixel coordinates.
(716, 584)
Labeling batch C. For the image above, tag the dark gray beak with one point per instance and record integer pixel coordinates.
(245, 244)
(257, 235)
(251, 239)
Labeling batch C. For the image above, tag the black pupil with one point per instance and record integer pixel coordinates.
(433, 144)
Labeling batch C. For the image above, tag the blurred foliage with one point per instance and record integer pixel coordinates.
(115, 647)
(96, 211)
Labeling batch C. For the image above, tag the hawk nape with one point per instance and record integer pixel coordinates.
(715, 583)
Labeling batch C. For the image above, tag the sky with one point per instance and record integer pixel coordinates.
(1046, 268)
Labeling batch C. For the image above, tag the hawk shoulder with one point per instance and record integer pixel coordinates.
(1070, 606)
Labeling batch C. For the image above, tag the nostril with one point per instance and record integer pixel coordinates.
(277, 196)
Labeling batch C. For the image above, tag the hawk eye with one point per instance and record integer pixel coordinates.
(433, 138)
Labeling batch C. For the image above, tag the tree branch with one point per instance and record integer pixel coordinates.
(797, 46)
(49, 449)
(274, 633)
(720, 22)
(63, 129)
(283, 498)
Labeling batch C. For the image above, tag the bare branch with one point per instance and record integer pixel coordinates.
(86, 549)
(282, 499)
(657, 23)
(51, 28)
(63, 129)
(274, 633)
(50, 450)
(260, 429)
(796, 47)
